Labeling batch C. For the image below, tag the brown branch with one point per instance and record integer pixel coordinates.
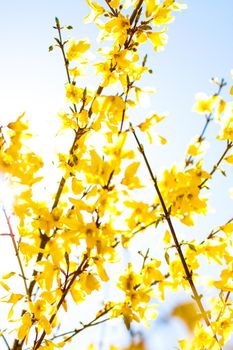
(80, 269)
(188, 273)
(61, 44)
(113, 11)
(135, 12)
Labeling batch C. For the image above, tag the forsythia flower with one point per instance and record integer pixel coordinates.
(181, 192)
(226, 132)
(115, 29)
(147, 126)
(205, 104)
(73, 93)
(197, 147)
(25, 326)
(96, 11)
(77, 49)
(158, 39)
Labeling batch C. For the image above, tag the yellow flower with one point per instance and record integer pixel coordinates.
(89, 283)
(130, 180)
(158, 39)
(96, 11)
(45, 325)
(231, 90)
(147, 126)
(151, 7)
(205, 104)
(115, 29)
(24, 329)
(108, 109)
(46, 221)
(226, 132)
(114, 3)
(181, 192)
(151, 273)
(197, 147)
(188, 313)
(128, 281)
(73, 93)
(77, 48)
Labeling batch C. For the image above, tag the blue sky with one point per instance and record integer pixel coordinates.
(199, 47)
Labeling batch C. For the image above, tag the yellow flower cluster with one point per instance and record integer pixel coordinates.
(96, 204)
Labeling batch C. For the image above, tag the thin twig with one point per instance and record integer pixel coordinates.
(94, 322)
(224, 306)
(5, 340)
(142, 228)
(145, 257)
(214, 232)
(61, 45)
(216, 165)
(129, 85)
(209, 118)
(85, 327)
(16, 249)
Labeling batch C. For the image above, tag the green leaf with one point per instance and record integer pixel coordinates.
(192, 247)
(222, 172)
(144, 60)
(126, 322)
(167, 258)
(57, 22)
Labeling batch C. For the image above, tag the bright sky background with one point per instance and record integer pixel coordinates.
(32, 79)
